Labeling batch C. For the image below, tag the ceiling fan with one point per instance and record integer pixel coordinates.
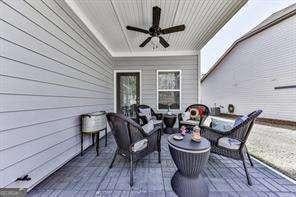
(155, 31)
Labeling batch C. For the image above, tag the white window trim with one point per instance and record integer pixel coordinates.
(180, 89)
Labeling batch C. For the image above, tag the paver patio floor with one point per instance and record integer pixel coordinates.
(90, 176)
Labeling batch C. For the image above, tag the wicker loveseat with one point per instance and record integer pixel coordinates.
(133, 141)
(232, 143)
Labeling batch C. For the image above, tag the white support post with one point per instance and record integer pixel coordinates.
(198, 78)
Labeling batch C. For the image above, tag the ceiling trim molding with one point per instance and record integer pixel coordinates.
(155, 53)
(88, 24)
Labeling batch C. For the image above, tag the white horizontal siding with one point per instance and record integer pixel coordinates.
(52, 70)
(248, 74)
(149, 67)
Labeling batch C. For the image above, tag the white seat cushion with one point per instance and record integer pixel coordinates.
(153, 118)
(156, 121)
(229, 143)
(148, 127)
(189, 122)
(140, 145)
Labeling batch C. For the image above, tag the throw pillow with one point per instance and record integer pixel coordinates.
(194, 115)
(201, 112)
(207, 122)
(186, 115)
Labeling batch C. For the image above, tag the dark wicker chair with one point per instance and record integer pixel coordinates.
(143, 119)
(128, 134)
(239, 133)
(194, 106)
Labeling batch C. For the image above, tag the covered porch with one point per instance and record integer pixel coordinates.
(61, 59)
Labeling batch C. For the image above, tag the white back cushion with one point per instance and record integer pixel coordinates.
(186, 116)
(146, 112)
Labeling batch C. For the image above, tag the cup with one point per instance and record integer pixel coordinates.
(196, 134)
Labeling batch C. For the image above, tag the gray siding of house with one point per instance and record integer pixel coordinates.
(248, 75)
(149, 67)
(52, 70)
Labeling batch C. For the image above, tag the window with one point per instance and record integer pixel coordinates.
(168, 89)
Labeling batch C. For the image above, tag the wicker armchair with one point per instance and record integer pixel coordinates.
(144, 120)
(232, 143)
(132, 141)
(190, 124)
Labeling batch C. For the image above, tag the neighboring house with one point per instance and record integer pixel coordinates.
(258, 70)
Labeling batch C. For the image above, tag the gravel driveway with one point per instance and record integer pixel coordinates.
(274, 146)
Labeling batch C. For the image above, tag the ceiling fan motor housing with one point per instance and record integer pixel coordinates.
(154, 31)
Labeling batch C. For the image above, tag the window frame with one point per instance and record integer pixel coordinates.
(169, 90)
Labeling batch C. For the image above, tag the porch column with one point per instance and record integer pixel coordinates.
(198, 78)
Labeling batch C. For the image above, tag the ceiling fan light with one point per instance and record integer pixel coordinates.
(154, 42)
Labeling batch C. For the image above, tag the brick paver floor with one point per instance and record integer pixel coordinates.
(90, 176)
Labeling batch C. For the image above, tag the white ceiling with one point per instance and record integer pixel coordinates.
(108, 19)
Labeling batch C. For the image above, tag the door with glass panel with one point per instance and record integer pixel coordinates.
(127, 93)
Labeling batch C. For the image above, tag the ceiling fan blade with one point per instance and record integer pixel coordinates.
(145, 42)
(173, 29)
(156, 16)
(163, 42)
(137, 29)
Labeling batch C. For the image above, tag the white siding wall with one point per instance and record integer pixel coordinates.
(149, 67)
(52, 70)
(248, 74)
